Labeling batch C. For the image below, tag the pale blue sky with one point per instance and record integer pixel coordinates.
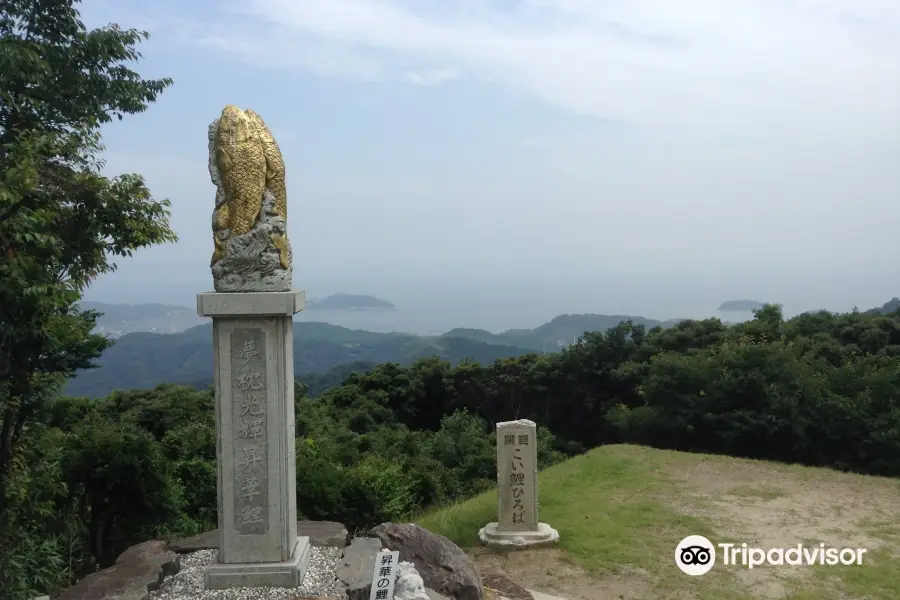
(753, 142)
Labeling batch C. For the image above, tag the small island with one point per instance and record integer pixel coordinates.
(349, 302)
(740, 305)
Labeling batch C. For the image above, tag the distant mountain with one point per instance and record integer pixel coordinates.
(557, 333)
(891, 306)
(349, 302)
(142, 360)
(120, 319)
(740, 305)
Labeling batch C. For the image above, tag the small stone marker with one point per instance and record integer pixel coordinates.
(384, 575)
(517, 524)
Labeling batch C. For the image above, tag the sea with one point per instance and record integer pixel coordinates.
(424, 315)
(433, 307)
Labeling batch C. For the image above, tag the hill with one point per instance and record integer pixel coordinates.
(891, 306)
(740, 305)
(557, 333)
(143, 360)
(349, 302)
(612, 549)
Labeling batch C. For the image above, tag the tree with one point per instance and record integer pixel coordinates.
(119, 478)
(61, 221)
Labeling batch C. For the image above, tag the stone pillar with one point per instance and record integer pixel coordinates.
(517, 524)
(253, 344)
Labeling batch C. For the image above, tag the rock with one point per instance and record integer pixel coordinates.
(324, 533)
(443, 565)
(320, 533)
(138, 571)
(154, 552)
(208, 540)
(433, 595)
(357, 565)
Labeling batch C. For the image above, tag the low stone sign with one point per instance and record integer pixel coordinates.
(384, 575)
(517, 524)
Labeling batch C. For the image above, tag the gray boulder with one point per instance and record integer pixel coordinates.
(357, 565)
(138, 571)
(443, 565)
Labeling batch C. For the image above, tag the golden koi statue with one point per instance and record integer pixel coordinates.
(248, 162)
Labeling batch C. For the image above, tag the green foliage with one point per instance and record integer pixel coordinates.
(60, 220)
(122, 480)
(61, 224)
(35, 551)
(31, 564)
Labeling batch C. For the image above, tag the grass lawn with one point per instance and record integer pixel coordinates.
(621, 511)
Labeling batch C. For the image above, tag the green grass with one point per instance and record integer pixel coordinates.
(617, 513)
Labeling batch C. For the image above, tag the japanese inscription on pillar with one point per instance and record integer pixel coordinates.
(251, 466)
(517, 476)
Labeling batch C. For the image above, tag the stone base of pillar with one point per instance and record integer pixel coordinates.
(287, 574)
(490, 535)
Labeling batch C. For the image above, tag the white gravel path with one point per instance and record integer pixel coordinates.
(320, 580)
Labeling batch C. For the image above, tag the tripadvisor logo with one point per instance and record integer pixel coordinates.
(696, 555)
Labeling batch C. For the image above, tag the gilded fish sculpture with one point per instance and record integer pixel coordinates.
(251, 249)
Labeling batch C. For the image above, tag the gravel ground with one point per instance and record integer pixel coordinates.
(187, 584)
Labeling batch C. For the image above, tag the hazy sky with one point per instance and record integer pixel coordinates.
(754, 142)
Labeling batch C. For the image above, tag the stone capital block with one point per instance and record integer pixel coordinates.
(250, 304)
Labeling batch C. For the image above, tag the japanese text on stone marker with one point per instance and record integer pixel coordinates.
(517, 476)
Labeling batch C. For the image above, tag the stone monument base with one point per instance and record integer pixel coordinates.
(490, 535)
(287, 574)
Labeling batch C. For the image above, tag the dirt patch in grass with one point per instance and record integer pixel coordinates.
(777, 506)
(553, 572)
(498, 584)
(774, 506)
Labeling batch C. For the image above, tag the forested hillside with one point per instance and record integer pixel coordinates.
(140, 360)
